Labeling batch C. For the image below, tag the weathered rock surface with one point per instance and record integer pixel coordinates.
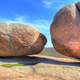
(65, 31)
(20, 40)
(41, 68)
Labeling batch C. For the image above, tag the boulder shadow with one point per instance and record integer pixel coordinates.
(33, 60)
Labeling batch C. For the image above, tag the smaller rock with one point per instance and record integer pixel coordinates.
(20, 40)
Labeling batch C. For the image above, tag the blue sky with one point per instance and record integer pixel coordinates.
(38, 13)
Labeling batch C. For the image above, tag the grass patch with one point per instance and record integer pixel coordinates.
(47, 53)
(11, 65)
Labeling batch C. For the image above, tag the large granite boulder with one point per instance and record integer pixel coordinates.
(65, 31)
(20, 40)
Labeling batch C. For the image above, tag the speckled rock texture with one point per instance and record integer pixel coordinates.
(65, 31)
(41, 68)
(19, 40)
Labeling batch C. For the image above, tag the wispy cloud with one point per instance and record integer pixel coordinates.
(48, 3)
(16, 19)
(55, 4)
(20, 18)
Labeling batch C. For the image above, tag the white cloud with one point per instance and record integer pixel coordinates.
(20, 19)
(17, 19)
(48, 3)
(53, 4)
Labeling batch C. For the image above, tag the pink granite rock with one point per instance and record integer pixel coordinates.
(20, 40)
(65, 31)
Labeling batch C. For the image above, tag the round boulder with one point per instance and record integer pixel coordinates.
(20, 39)
(65, 31)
